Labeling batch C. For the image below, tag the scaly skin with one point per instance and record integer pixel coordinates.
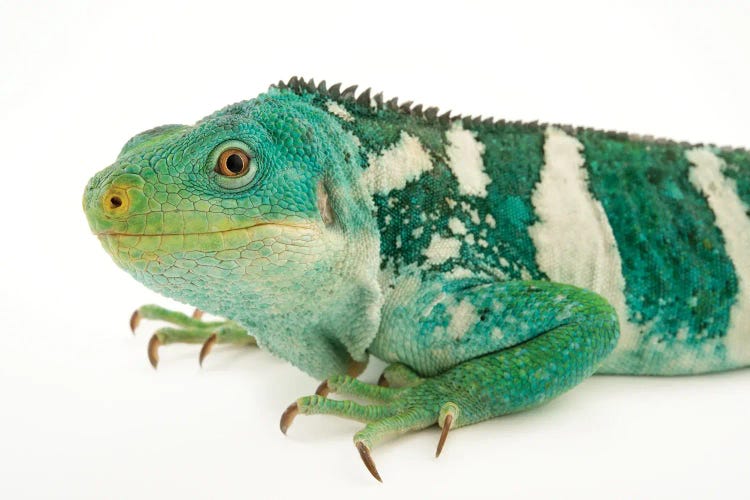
(495, 265)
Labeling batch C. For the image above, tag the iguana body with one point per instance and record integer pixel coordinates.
(492, 263)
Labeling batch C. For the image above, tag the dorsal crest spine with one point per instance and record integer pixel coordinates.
(349, 96)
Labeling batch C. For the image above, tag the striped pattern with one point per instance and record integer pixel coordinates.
(574, 241)
(731, 217)
(621, 216)
(575, 244)
(680, 281)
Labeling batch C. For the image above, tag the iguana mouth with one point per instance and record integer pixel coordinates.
(208, 241)
(200, 233)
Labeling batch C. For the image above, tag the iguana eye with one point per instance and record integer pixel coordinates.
(233, 165)
(232, 162)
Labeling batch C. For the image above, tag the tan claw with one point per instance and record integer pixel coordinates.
(382, 381)
(207, 346)
(135, 320)
(288, 416)
(323, 389)
(364, 453)
(447, 423)
(153, 350)
(197, 314)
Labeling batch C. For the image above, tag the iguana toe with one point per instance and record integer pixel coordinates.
(288, 417)
(153, 350)
(448, 412)
(364, 453)
(206, 347)
(191, 330)
(135, 320)
(323, 389)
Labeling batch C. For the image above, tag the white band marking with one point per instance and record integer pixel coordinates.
(731, 218)
(404, 161)
(465, 160)
(573, 239)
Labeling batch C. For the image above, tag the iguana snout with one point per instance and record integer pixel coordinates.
(111, 203)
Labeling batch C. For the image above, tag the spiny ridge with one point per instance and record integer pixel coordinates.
(365, 98)
(300, 85)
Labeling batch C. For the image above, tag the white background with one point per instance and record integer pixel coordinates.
(83, 415)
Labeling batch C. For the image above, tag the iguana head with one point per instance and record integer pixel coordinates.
(255, 213)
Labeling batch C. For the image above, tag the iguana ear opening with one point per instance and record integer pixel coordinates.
(324, 205)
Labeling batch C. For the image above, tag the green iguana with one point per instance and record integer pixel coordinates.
(493, 265)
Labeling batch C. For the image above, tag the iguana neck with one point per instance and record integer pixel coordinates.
(439, 182)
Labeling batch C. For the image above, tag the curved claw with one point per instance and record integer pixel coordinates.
(207, 346)
(447, 424)
(197, 314)
(153, 350)
(135, 320)
(382, 381)
(288, 416)
(323, 389)
(364, 453)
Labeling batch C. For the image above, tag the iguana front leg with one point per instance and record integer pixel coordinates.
(560, 335)
(193, 330)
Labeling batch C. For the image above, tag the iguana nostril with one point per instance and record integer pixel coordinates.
(115, 202)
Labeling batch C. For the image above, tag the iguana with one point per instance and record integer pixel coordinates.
(494, 265)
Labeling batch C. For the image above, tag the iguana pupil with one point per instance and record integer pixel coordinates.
(232, 163)
(235, 164)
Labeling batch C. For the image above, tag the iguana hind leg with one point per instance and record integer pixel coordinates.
(192, 330)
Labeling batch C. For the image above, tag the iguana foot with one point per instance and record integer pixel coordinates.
(193, 330)
(423, 403)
